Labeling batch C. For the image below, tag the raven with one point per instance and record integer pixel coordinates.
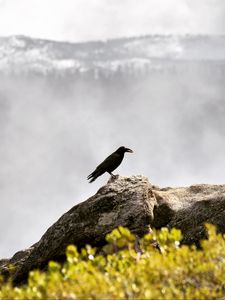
(109, 164)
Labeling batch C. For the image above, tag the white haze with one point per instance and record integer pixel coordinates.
(83, 20)
(51, 140)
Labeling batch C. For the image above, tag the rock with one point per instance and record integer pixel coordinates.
(194, 206)
(125, 201)
(130, 202)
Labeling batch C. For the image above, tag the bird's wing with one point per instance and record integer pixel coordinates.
(110, 163)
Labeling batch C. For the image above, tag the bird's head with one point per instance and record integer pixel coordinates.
(123, 149)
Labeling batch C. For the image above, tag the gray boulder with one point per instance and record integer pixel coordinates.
(131, 202)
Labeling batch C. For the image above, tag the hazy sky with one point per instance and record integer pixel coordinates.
(80, 20)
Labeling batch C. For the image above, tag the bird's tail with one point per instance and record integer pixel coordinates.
(94, 175)
(91, 177)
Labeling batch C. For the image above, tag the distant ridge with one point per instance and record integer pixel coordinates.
(21, 54)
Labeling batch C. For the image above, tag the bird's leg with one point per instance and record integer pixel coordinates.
(113, 176)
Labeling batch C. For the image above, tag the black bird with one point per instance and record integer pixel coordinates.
(109, 164)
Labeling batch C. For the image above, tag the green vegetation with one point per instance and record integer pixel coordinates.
(175, 272)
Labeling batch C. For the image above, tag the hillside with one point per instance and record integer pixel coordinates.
(20, 54)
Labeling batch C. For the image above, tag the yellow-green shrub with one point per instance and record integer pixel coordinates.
(175, 272)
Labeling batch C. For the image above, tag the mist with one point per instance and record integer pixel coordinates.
(55, 131)
(85, 20)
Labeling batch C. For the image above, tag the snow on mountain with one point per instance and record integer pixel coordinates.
(20, 54)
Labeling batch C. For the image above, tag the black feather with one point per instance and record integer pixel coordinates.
(109, 164)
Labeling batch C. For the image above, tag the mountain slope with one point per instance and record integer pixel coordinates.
(20, 54)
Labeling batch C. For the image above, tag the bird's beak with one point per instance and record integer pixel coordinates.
(129, 150)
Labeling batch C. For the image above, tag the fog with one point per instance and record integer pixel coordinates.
(55, 132)
(85, 20)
